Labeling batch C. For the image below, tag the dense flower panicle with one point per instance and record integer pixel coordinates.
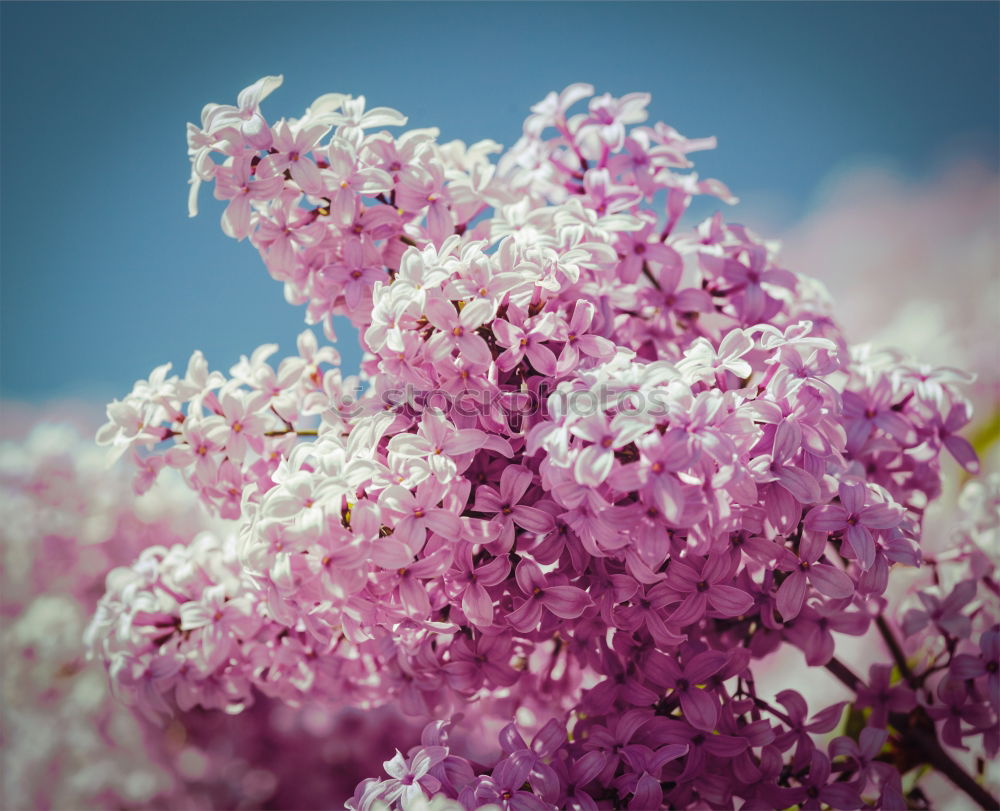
(67, 520)
(601, 466)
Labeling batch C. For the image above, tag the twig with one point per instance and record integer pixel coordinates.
(924, 742)
(897, 652)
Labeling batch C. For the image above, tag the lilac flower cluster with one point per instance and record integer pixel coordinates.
(66, 522)
(671, 465)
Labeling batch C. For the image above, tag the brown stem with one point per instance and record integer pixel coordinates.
(937, 757)
(291, 431)
(649, 275)
(924, 741)
(897, 652)
(759, 702)
(844, 674)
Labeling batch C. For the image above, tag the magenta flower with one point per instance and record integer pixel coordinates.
(947, 614)
(747, 281)
(608, 116)
(817, 790)
(148, 468)
(544, 746)
(457, 331)
(348, 178)
(594, 462)
(958, 707)
(874, 409)
(855, 520)
(698, 704)
(636, 249)
(551, 111)
(241, 185)
(226, 490)
(800, 730)
(469, 582)
(484, 661)
(354, 275)
(566, 602)
(612, 742)
(958, 446)
(290, 152)
(805, 571)
(504, 787)
(864, 752)
(703, 588)
(408, 581)
(246, 116)
(506, 509)
(647, 611)
(673, 301)
(701, 745)
(422, 189)
(410, 781)
(203, 440)
(418, 513)
(778, 467)
(575, 777)
(653, 476)
(645, 790)
(216, 622)
(283, 235)
(528, 341)
(577, 340)
(987, 663)
(812, 630)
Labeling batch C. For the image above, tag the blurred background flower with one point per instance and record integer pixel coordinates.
(913, 263)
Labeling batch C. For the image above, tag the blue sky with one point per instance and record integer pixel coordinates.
(104, 276)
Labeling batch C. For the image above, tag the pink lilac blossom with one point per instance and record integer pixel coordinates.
(68, 743)
(666, 462)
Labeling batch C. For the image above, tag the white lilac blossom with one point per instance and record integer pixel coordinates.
(603, 464)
